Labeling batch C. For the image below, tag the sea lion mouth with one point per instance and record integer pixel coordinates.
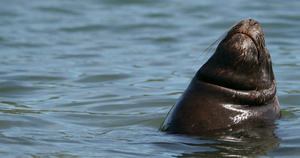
(254, 41)
(251, 28)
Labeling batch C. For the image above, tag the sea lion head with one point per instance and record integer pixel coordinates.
(234, 89)
(242, 63)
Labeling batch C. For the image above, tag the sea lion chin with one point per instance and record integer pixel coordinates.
(235, 87)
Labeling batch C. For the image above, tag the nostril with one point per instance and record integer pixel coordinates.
(252, 22)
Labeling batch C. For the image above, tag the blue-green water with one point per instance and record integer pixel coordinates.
(96, 78)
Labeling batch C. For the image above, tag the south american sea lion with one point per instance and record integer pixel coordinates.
(236, 86)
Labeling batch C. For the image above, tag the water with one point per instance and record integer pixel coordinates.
(96, 78)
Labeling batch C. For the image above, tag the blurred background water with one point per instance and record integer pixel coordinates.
(96, 78)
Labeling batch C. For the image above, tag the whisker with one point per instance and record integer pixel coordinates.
(212, 46)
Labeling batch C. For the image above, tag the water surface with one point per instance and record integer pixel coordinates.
(96, 78)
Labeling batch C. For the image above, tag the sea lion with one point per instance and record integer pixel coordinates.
(236, 86)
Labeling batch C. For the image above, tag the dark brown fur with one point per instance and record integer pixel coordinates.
(236, 86)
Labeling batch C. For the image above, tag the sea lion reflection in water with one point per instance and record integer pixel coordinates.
(235, 87)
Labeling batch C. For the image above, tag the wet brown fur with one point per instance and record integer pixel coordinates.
(236, 86)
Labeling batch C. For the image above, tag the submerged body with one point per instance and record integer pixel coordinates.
(236, 86)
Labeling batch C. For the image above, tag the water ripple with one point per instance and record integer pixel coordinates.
(97, 78)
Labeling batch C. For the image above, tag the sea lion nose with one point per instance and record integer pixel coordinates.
(252, 22)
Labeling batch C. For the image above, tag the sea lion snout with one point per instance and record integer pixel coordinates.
(252, 29)
(252, 22)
